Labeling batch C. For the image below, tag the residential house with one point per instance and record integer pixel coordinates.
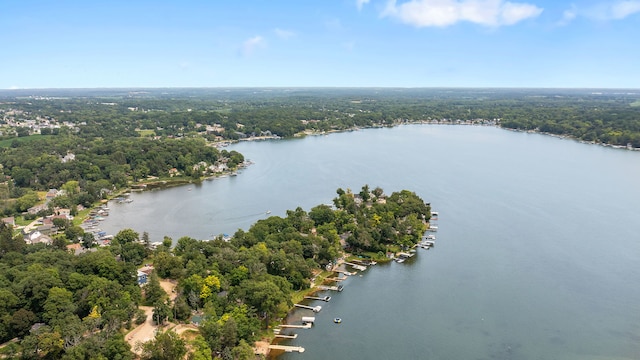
(36, 209)
(36, 237)
(9, 221)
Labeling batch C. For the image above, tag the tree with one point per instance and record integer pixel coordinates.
(125, 236)
(166, 345)
(161, 312)
(153, 292)
(87, 240)
(71, 187)
(321, 214)
(8, 242)
(243, 351)
(58, 306)
(74, 233)
(145, 240)
(201, 350)
(21, 321)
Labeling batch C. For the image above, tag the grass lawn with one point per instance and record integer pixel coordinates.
(146, 133)
(7, 142)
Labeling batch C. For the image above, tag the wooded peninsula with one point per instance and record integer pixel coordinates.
(57, 305)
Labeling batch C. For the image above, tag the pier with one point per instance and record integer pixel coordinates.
(299, 349)
(281, 336)
(332, 288)
(356, 266)
(313, 308)
(325, 298)
(305, 326)
(347, 273)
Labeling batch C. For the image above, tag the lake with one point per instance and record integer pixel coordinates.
(537, 253)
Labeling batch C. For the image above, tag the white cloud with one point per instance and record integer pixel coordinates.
(617, 10)
(625, 8)
(360, 3)
(441, 13)
(568, 16)
(251, 44)
(284, 34)
(14, 87)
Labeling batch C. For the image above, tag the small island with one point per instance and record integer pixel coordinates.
(211, 299)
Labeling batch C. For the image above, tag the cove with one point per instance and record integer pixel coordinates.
(537, 253)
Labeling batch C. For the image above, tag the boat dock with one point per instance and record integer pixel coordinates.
(313, 308)
(356, 266)
(332, 288)
(325, 298)
(305, 326)
(335, 279)
(345, 272)
(281, 336)
(299, 349)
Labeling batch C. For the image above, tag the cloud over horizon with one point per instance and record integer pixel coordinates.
(442, 13)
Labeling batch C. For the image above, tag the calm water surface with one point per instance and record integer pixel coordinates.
(537, 256)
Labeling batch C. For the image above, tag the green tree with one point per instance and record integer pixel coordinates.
(153, 292)
(243, 351)
(58, 306)
(166, 345)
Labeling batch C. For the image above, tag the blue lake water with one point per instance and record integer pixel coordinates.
(537, 255)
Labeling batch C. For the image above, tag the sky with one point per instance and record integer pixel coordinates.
(320, 43)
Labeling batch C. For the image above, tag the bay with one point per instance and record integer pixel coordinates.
(537, 253)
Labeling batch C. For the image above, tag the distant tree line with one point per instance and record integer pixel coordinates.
(611, 117)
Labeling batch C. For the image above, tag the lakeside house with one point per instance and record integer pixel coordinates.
(9, 221)
(144, 273)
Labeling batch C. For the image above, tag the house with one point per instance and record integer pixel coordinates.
(9, 221)
(36, 209)
(52, 193)
(144, 273)
(36, 237)
(142, 278)
(65, 212)
(68, 157)
(173, 172)
(74, 248)
(47, 229)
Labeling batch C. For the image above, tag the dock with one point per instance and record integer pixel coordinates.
(305, 326)
(299, 349)
(281, 336)
(345, 272)
(335, 279)
(356, 266)
(332, 288)
(313, 308)
(325, 298)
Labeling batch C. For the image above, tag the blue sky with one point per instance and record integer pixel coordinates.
(343, 43)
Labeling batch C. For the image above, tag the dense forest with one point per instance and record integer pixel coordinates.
(601, 116)
(57, 305)
(98, 166)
